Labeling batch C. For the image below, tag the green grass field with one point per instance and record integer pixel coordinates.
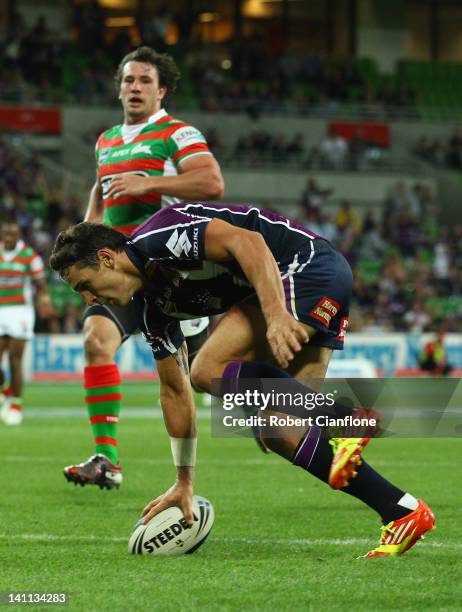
(281, 540)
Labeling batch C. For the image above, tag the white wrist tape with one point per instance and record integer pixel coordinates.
(184, 451)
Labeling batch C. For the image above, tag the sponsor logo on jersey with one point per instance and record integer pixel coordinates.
(196, 242)
(132, 150)
(141, 148)
(186, 136)
(104, 154)
(325, 310)
(179, 243)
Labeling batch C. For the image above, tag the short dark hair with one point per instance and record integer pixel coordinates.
(165, 64)
(79, 245)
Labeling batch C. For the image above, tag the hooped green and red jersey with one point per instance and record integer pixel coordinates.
(17, 268)
(154, 148)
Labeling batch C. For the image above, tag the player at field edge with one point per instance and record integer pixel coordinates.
(285, 293)
(150, 161)
(433, 357)
(20, 267)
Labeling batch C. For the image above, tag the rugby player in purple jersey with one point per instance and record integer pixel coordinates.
(285, 293)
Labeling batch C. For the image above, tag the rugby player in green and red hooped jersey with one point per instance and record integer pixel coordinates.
(20, 267)
(150, 161)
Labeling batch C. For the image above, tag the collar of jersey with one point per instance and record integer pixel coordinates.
(129, 132)
(8, 255)
(139, 261)
(135, 257)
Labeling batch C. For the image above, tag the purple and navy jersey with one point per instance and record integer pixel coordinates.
(169, 249)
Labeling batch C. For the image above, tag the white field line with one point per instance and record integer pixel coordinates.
(128, 413)
(49, 537)
(219, 462)
(155, 412)
(166, 461)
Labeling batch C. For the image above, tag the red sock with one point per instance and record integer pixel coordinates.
(16, 403)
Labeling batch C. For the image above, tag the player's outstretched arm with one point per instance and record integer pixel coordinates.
(180, 420)
(224, 242)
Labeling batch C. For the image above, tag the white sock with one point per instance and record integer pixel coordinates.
(408, 501)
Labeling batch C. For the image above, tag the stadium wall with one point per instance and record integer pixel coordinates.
(54, 357)
(284, 186)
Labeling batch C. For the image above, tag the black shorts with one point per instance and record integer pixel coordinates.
(125, 317)
(318, 291)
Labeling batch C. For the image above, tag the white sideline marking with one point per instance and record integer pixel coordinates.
(128, 413)
(166, 461)
(220, 462)
(50, 537)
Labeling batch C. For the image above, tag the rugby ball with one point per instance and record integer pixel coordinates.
(168, 533)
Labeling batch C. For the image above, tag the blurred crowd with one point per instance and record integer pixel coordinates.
(41, 64)
(441, 152)
(261, 77)
(407, 264)
(259, 147)
(253, 74)
(41, 210)
(335, 152)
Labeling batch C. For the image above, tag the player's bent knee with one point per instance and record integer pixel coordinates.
(203, 371)
(101, 340)
(198, 375)
(97, 351)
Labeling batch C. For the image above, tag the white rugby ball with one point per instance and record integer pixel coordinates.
(168, 533)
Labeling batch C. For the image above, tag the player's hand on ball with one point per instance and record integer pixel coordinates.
(286, 337)
(180, 494)
(127, 185)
